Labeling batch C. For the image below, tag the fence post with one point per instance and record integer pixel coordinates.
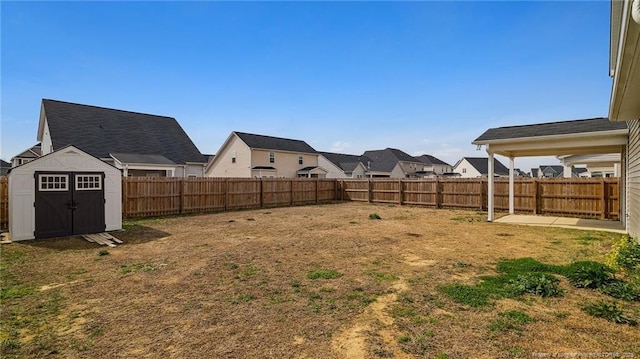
(484, 196)
(438, 193)
(125, 197)
(180, 195)
(335, 190)
(226, 194)
(261, 192)
(291, 192)
(370, 191)
(535, 196)
(317, 183)
(400, 192)
(603, 192)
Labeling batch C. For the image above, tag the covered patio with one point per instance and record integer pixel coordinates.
(563, 222)
(577, 137)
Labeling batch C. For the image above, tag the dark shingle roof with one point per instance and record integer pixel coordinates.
(552, 128)
(430, 160)
(138, 158)
(345, 162)
(482, 165)
(274, 143)
(4, 167)
(385, 160)
(100, 131)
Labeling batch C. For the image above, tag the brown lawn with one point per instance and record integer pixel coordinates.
(237, 285)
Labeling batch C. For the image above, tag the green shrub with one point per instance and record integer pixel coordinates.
(542, 284)
(588, 274)
(621, 290)
(610, 312)
(374, 216)
(625, 255)
(510, 320)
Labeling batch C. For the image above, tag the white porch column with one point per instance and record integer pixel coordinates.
(567, 171)
(616, 170)
(490, 186)
(511, 186)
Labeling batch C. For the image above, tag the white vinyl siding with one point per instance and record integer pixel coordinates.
(633, 179)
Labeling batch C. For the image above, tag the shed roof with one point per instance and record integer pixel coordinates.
(100, 131)
(275, 143)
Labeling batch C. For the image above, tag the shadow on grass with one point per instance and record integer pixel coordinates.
(135, 234)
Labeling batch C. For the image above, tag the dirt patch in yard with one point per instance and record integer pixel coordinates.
(303, 282)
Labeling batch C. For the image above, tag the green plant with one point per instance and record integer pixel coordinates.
(536, 283)
(465, 294)
(510, 320)
(621, 290)
(323, 274)
(403, 339)
(103, 252)
(524, 265)
(588, 274)
(610, 312)
(374, 216)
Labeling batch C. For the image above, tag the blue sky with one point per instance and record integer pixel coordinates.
(424, 77)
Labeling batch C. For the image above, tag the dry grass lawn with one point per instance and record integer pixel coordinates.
(303, 282)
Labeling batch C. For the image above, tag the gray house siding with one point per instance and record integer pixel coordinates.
(633, 179)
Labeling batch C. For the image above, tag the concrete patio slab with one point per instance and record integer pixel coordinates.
(564, 222)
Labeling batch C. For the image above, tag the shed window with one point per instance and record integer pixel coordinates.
(88, 182)
(272, 157)
(53, 182)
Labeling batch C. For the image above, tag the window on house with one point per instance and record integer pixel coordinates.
(272, 157)
(464, 170)
(300, 159)
(233, 157)
(191, 176)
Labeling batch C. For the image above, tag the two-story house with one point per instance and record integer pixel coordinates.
(340, 165)
(434, 167)
(250, 155)
(136, 143)
(392, 163)
(474, 167)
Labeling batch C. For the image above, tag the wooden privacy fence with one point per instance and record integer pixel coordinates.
(581, 197)
(148, 196)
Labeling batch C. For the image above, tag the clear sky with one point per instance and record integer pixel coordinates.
(424, 77)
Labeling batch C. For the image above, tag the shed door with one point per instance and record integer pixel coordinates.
(69, 203)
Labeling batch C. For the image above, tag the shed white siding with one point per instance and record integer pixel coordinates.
(633, 179)
(69, 159)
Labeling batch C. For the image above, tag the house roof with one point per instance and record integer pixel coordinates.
(138, 158)
(347, 163)
(430, 160)
(534, 172)
(274, 143)
(264, 168)
(481, 164)
(550, 129)
(34, 151)
(385, 160)
(100, 131)
(4, 167)
(554, 168)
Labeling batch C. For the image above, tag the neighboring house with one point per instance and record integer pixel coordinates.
(519, 173)
(27, 155)
(434, 167)
(392, 163)
(534, 172)
(558, 171)
(251, 155)
(4, 167)
(474, 167)
(136, 143)
(600, 165)
(624, 105)
(340, 165)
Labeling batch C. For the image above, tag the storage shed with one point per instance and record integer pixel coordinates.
(66, 192)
